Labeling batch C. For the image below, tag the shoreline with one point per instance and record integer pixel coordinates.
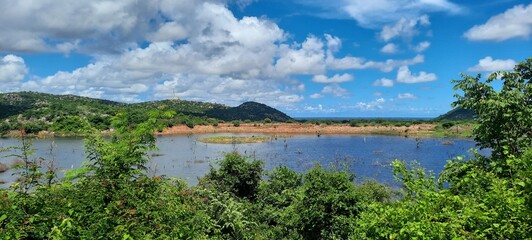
(414, 130)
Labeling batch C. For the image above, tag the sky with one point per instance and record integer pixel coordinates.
(307, 58)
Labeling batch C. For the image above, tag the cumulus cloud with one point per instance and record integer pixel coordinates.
(309, 58)
(110, 26)
(12, 69)
(335, 90)
(337, 78)
(422, 46)
(227, 90)
(405, 28)
(383, 82)
(488, 64)
(405, 76)
(390, 48)
(406, 96)
(44, 25)
(515, 22)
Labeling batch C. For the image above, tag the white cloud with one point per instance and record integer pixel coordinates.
(405, 28)
(225, 90)
(515, 22)
(375, 13)
(406, 96)
(337, 78)
(12, 69)
(309, 58)
(316, 95)
(102, 26)
(169, 31)
(390, 48)
(422, 46)
(44, 25)
(335, 90)
(377, 94)
(383, 82)
(405, 76)
(333, 43)
(488, 64)
(371, 106)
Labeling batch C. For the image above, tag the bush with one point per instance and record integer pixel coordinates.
(447, 125)
(236, 123)
(189, 123)
(329, 204)
(236, 175)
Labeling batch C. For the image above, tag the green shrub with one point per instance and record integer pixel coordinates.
(447, 125)
(236, 175)
(189, 123)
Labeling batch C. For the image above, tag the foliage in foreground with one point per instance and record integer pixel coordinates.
(113, 198)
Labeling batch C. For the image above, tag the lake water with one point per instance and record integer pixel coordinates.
(187, 158)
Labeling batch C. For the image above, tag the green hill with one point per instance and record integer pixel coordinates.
(32, 105)
(63, 113)
(457, 114)
(249, 111)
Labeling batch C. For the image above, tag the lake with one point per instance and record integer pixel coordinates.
(187, 158)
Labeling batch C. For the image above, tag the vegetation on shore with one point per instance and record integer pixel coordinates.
(111, 197)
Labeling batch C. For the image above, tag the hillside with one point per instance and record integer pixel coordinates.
(64, 113)
(457, 114)
(252, 111)
(31, 105)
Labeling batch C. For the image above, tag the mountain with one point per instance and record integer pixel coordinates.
(457, 114)
(42, 111)
(250, 110)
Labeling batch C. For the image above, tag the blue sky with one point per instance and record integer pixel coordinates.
(308, 58)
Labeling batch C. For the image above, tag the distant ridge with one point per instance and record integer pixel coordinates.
(457, 114)
(36, 112)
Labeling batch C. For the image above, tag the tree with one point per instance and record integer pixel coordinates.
(505, 116)
(125, 156)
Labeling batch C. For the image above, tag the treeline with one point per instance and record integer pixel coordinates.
(111, 197)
